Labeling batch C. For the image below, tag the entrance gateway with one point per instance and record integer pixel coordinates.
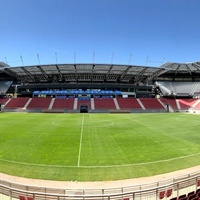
(84, 108)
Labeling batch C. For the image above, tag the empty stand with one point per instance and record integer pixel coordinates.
(104, 104)
(128, 103)
(183, 88)
(3, 100)
(185, 104)
(17, 102)
(178, 88)
(197, 106)
(170, 102)
(118, 103)
(197, 89)
(39, 103)
(151, 103)
(63, 104)
(194, 195)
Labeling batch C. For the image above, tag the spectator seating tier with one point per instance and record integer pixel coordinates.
(39, 103)
(63, 103)
(17, 102)
(104, 104)
(170, 102)
(151, 103)
(128, 103)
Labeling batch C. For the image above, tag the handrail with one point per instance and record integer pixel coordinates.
(154, 187)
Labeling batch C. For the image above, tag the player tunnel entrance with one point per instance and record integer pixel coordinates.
(84, 108)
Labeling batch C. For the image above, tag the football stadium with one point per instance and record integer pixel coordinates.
(100, 123)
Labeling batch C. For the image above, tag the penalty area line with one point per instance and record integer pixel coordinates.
(80, 145)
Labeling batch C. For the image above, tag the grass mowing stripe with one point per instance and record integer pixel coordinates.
(81, 138)
(133, 145)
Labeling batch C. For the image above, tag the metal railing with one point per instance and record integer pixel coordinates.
(164, 189)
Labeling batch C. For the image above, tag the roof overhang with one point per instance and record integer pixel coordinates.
(82, 73)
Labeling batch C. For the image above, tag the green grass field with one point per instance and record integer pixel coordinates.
(94, 147)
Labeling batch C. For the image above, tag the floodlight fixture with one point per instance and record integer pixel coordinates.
(147, 60)
(93, 57)
(130, 58)
(74, 57)
(112, 58)
(56, 57)
(6, 60)
(22, 60)
(38, 57)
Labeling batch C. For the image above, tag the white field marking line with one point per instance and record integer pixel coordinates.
(108, 166)
(54, 123)
(81, 138)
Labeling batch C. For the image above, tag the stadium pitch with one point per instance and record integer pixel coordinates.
(96, 147)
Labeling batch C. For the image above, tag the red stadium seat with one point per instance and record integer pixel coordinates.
(182, 197)
(169, 193)
(22, 197)
(195, 198)
(17, 102)
(161, 194)
(191, 195)
(174, 198)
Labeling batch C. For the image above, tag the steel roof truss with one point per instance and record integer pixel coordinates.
(29, 74)
(8, 71)
(189, 70)
(157, 73)
(46, 77)
(59, 73)
(139, 76)
(196, 65)
(109, 69)
(124, 73)
(176, 71)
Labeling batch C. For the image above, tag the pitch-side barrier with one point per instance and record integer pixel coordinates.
(164, 189)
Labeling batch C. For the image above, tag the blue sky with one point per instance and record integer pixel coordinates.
(139, 32)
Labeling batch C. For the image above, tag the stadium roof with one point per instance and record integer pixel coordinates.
(97, 72)
(184, 71)
(182, 67)
(2, 64)
(82, 73)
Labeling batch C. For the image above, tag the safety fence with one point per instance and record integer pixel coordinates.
(164, 189)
